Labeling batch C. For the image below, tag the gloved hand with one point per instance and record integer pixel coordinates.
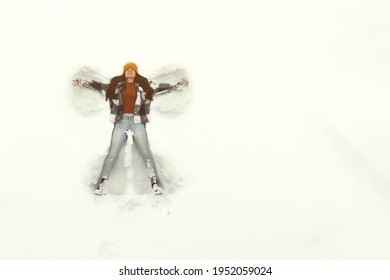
(80, 83)
(76, 82)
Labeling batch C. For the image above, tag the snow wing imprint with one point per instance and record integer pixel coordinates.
(177, 102)
(86, 101)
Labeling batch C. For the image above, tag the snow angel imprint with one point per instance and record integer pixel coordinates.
(130, 96)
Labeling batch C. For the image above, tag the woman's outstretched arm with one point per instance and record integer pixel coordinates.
(93, 85)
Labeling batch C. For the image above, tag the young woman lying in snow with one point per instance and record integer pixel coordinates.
(129, 95)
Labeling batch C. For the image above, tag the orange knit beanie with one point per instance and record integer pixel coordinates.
(130, 65)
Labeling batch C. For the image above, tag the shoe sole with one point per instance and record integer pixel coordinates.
(158, 191)
(100, 192)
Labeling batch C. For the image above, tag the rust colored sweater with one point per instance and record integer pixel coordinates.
(129, 96)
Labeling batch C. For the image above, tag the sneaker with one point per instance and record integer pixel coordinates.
(156, 189)
(101, 189)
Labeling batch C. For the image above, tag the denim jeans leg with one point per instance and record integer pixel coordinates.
(142, 143)
(118, 139)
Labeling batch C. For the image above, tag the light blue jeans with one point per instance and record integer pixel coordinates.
(118, 140)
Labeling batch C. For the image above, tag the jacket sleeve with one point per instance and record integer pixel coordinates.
(93, 85)
(98, 86)
(162, 86)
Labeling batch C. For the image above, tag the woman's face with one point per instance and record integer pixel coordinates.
(130, 73)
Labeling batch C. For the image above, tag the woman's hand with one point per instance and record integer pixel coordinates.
(80, 83)
(183, 83)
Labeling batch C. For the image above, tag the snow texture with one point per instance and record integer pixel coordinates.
(279, 149)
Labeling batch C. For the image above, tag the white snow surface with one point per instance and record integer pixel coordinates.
(280, 149)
